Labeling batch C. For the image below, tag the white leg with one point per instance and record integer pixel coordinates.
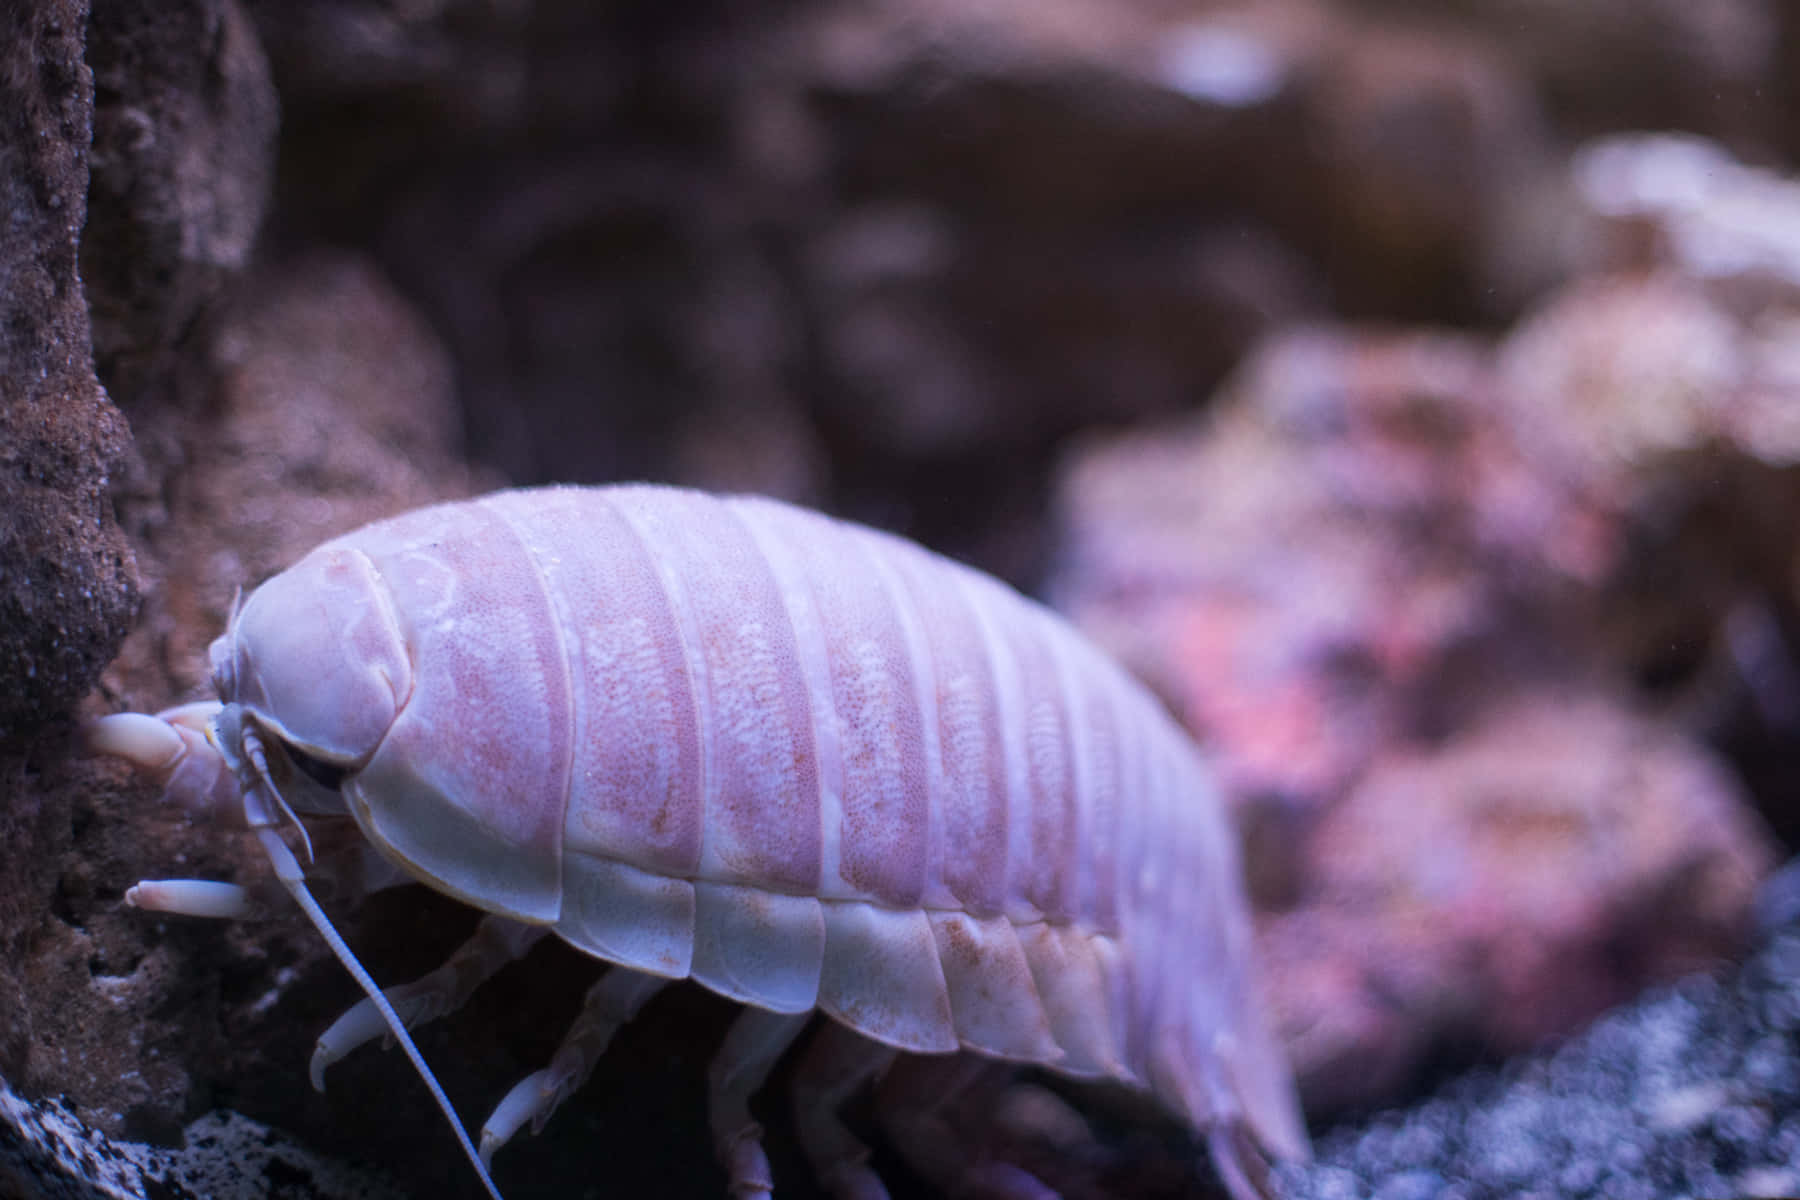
(611, 1003)
(191, 897)
(345, 871)
(496, 942)
(757, 1040)
(171, 748)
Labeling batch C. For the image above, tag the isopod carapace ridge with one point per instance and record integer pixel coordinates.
(805, 763)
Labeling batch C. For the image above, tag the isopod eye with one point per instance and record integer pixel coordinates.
(329, 776)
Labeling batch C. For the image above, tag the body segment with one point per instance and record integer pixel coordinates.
(805, 763)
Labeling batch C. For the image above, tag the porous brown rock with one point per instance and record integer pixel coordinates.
(183, 160)
(67, 589)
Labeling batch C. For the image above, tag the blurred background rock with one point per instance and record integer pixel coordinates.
(1410, 392)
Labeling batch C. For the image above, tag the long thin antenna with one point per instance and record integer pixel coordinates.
(267, 819)
(287, 869)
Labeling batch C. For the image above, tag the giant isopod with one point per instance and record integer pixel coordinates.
(807, 764)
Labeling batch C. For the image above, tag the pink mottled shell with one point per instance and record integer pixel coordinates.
(809, 765)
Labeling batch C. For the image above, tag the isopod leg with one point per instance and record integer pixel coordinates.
(1240, 1165)
(757, 1039)
(172, 749)
(913, 1106)
(191, 898)
(346, 867)
(496, 942)
(836, 1065)
(918, 1107)
(611, 1003)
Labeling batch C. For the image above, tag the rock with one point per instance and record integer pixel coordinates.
(1377, 579)
(1668, 64)
(330, 406)
(1682, 204)
(907, 238)
(1786, 94)
(1692, 1090)
(611, 296)
(67, 588)
(46, 1147)
(182, 161)
(1298, 572)
(1661, 417)
(1009, 171)
(1431, 150)
(320, 403)
(887, 255)
(1507, 888)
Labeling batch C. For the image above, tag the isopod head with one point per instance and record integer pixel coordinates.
(316, 659)
(312, 674)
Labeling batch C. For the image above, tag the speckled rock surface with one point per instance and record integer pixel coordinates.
(66, 586)
(46, 1153)
(1694, 1090)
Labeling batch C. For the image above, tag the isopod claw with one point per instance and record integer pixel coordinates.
(527, 1099)
(191, 897)
(173, 748)
(148, 743)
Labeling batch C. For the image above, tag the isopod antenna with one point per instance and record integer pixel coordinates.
(287, 869)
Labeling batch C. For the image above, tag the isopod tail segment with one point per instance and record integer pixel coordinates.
(206, 755)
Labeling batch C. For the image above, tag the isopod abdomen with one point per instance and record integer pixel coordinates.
(807, 764)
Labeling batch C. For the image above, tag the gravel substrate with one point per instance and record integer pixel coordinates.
(1692, 1091)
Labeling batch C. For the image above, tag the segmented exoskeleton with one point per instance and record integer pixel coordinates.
(804, 763)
